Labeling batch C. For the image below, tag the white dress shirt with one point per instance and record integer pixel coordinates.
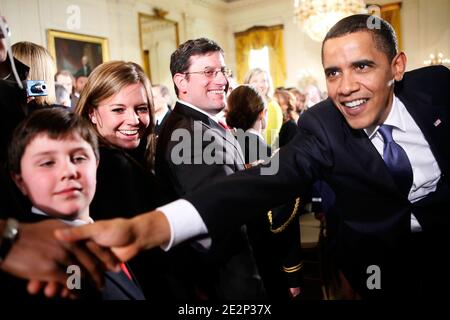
(159, 118)
(214, 118)
(73, 223)
(426, 171)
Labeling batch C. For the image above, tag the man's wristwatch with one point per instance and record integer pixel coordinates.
(9, 236)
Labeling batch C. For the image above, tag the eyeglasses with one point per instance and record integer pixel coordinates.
(212, 73)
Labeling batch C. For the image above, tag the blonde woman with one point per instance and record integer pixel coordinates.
(262, 81)
(42, 67)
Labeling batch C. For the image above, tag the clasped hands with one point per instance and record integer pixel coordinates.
(44, 250)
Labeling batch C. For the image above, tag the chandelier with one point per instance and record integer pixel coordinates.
(317, 16)
(436, 59)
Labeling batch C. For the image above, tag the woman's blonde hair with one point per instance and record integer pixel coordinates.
(105, 81)
(42, 67)
(254, 72)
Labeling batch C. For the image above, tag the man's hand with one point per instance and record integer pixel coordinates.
(125, 237)
(38, 255)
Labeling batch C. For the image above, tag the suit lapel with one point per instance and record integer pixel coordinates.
(370, 161)
(211, 125)
(229, 137)
(120, 282)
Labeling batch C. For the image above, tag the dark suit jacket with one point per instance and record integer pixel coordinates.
(188, 177)
(13, 102)
(287, 132)
(373, 226)
(191, 174)
(259, 150)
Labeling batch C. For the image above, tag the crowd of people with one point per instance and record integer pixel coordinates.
(162, 201)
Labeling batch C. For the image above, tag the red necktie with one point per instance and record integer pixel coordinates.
(223, 124)
(125, 270)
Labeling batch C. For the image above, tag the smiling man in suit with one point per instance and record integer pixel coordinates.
(200, 79)
(381, 141)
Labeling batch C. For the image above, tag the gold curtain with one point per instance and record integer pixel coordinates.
(391, 13)
(256, 38)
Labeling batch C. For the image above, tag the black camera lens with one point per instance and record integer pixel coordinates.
(38, 88)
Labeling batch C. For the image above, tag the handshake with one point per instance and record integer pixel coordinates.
(43, 251)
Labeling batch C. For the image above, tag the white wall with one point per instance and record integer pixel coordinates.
(426, 29)
(425, 24)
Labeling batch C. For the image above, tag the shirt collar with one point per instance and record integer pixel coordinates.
(251, 130)
(214, 118)
(73, 223)
(395, 118)
(161, 117)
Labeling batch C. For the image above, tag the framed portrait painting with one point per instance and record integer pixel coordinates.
(77, 53)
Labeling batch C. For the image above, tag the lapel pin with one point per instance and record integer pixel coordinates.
(437, 122)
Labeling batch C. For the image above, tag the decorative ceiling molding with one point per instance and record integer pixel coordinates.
(212, 4)
(227, 4)
(237, 4)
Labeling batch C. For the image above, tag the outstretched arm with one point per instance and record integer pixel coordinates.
(38, 255)
(126, 237)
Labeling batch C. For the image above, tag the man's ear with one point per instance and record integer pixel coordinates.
(398, 65)
(18, 180)
(181, 82)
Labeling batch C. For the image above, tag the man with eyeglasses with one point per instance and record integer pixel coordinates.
(193, 149)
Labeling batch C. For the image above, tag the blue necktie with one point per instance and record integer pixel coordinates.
(396, 160)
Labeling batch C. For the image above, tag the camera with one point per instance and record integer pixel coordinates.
(36, 88)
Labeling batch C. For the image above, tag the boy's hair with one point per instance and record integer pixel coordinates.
(58, 123)
(383, 35)
(180, 59)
